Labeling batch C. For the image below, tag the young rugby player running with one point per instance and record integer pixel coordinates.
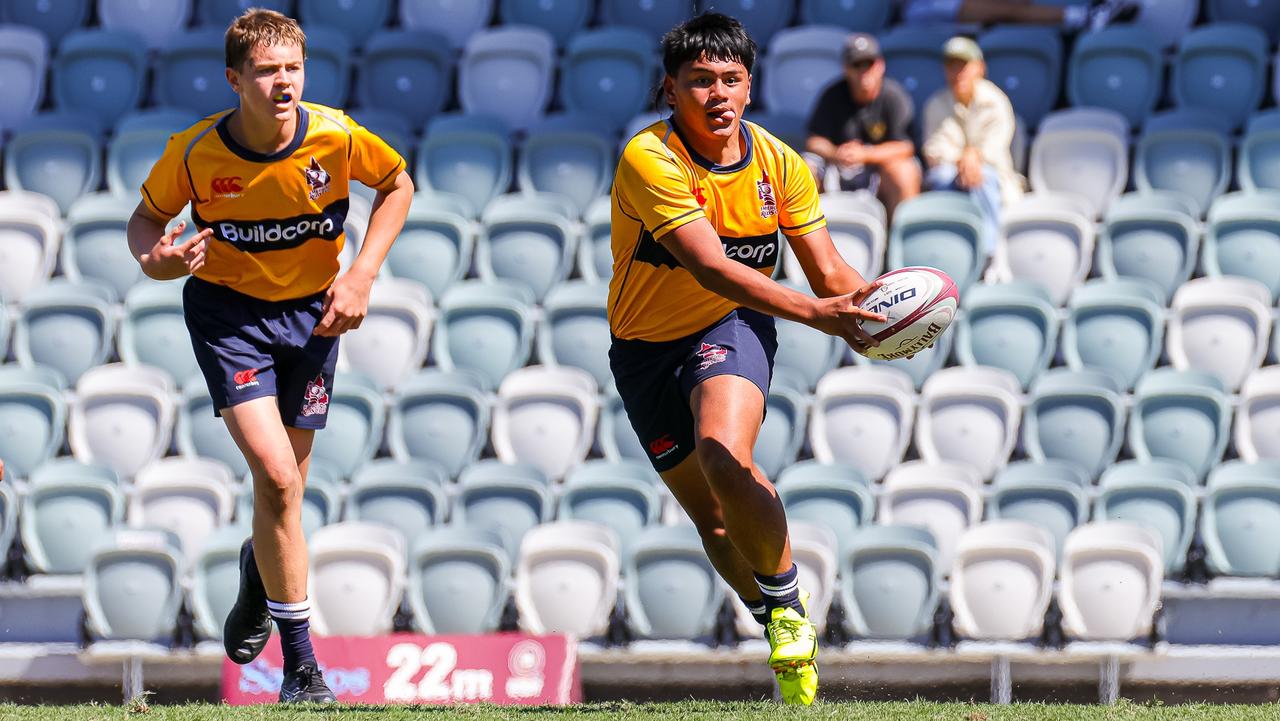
(267, 183)
(698, 201)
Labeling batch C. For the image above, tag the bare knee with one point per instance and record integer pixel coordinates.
(723, 467)
(278, 488)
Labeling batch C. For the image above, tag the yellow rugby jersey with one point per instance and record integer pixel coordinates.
(662, 184)
(277, 219)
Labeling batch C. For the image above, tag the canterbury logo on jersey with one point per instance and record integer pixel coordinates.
(255, 236)
(760, 251)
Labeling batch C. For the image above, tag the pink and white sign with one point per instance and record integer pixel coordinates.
(504, 668)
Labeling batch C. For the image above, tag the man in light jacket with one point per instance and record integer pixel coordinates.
(968, 130)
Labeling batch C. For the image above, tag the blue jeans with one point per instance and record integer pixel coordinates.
(987, 196)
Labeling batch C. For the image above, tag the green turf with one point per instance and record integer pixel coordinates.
(706, 711)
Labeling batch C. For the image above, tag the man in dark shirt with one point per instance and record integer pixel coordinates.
(860, 127)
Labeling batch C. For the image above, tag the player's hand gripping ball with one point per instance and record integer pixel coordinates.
(918, 304)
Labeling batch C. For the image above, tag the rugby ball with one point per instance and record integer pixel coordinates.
(918, 303)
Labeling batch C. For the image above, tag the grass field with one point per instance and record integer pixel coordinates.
(701, 710)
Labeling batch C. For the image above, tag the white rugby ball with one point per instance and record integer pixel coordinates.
(918, 303)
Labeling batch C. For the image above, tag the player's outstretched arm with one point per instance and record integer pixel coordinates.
(347, 301)
(825, 269)
(156, 250)
(697, 246)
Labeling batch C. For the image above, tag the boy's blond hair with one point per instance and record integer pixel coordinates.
(259, 27)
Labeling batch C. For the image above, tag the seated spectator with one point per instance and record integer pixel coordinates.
(860, 127)
(1085, 16)
(968, 131)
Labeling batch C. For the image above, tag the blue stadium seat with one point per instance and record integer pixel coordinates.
(789, 128)
(65, 514)
(569, 156)
(1167, 20)
(672, 590)
(1026, 62)
(154, 330)
(485, 327)
(353, 433)
(615, 436)
(1116, 326)
(393, 128)
(575, 329)
(609, 73)
(507, 72)
(1242, 237)
(1077, 417)
(834, 495)
(595, 252)
(1186, 151)
(1084, 151)
(53, 20)
(1050, 494)
(434, 248)
(864, 16)
(30, 230)
(1150, 236)
(1182, 417)
(805, 350)
(1238, 521)
(1262, 15)
(458, 581)
(408, 496)
(201, 433)
(503, 498)
(913, 57)
(1221, 68)
(562, 18)
(154, 23)
(138, 142)
(889, 582)
(1011, 326)
(409, 70)
(1048, 239)
(328, 68)
(457, 21)
(1119, 68)
(1156, 493)
(622, 495)
(24, 60)
(215, 576)
(652, 17)
(761, 20)
(357, 22)
(58, 155)
(1258, 166)
(100, 73)
(220, 13)
(191, 73)
(800, 64)
(783, 431)
(65, 326)
(95, 246)
(526, 241)
(439, 416)
(392, 342)
(468, 155)
(942, 230)
(33, 416)
(856, 223)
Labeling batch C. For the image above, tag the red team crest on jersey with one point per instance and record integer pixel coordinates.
(711, 354)
(768, 206)
(315, 402)
(317, 178)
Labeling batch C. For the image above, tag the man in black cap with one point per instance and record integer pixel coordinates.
(860, 127)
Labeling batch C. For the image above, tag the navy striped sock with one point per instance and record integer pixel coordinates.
(757, 609)
(294, 622)
(781, 591)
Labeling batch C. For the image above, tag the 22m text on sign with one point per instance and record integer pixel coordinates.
(503, 668)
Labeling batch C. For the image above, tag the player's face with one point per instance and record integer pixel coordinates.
(270, 81)
(709, 96)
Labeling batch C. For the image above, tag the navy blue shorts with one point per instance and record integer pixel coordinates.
(249, 348)
(655, 380)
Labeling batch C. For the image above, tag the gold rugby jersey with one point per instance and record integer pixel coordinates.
(661, 184)
(277, 219)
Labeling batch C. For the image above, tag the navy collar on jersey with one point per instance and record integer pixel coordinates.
(704, 162)
(253, 156)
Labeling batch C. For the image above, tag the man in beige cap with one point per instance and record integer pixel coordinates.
(968, 131)
(860, 126)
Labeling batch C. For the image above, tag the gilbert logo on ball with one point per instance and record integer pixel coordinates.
(918, 304)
